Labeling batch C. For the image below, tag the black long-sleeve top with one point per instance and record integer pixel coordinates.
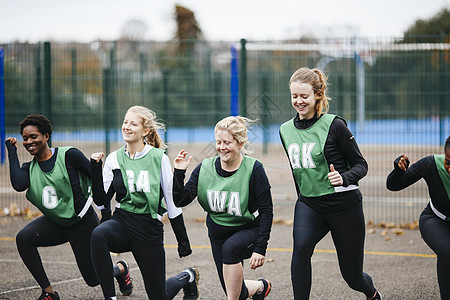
(343, 152)
(75, 162)
(260, 198)
(424, 168)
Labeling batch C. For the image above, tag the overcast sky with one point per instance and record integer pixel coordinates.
(231, 20)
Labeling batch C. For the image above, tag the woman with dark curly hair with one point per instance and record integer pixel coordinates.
(58, 183)
(434, 221)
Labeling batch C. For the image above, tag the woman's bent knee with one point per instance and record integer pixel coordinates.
(23, 237)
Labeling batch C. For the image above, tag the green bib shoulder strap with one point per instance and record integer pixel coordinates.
(443, 174)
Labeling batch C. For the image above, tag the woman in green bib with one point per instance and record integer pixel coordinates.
(58, 183)
(434, 221)
(326, 165)
(140, 176)
(234, 191)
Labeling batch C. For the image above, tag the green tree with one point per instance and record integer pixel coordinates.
(405, 77)
(429, 30)
(188, 30)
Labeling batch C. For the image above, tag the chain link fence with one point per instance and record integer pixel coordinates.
(393, 93)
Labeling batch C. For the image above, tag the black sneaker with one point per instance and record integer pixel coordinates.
(190, 290)
(48, 296)
(267, 287)
(124, 280)
(376, 297)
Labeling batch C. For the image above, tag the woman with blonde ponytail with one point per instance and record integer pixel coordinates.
(149, 122)
(234, 190)
(140, 175)
(326, 164)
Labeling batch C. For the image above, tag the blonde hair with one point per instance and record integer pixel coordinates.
(318, 81)
(238, 127)
(149, 121)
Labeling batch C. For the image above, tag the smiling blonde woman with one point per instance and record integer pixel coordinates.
(140, 175)
(235, 192)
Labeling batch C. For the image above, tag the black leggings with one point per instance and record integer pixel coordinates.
(231, 247)
(112, 236)
(436, 233)
(42, 232)
(348, 232)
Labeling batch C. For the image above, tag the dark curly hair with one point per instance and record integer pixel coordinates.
(447, 143)
(40, 121)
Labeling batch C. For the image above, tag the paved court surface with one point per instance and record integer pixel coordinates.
(402, 266)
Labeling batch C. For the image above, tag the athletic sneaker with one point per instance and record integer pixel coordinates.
(190, 290)
(261, 295)
(376, 297)
(124, 280)
(48, 296)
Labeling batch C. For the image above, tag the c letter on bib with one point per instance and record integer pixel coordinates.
(49, 197)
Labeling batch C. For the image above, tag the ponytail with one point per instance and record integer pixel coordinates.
(149, 121)
(318, 80)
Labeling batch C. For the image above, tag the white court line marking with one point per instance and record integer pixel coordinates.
(8, 189)
(53, 283)
(38, 287)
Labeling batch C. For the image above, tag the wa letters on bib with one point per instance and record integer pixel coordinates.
(218, 199)
(226, 198)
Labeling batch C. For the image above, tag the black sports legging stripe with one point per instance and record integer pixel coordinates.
(42, 232)
(230, 245)
(347, 231)
(435, 233)
(151, 259)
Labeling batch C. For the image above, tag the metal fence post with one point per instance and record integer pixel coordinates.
(74, 89)
(243, 78)
(217, 92)
(340, 85)
(165, 87)
(48, 84)
(265, 111)
(142, 68)
(360, 85)
(38, 80)
(113, 81)
(2, 105)
(443, 92)
(234, 83)
(106, 102)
